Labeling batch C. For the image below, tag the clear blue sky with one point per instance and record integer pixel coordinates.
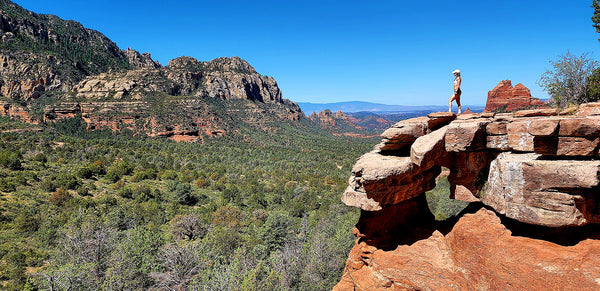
(391, 52)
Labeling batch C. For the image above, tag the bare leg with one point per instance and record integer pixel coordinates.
(458, 102)
(450, 103)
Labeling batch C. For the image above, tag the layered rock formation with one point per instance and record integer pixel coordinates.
(222, 78)
(506, 98)
(533, 177)
(52, 69)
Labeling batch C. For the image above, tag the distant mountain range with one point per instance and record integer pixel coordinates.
(361, 106)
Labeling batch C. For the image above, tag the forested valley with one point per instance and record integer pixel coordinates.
(103, 210)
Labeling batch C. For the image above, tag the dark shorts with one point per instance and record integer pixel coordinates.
(458, 92)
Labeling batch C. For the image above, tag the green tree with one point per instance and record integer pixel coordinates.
(593, 83)
(596, 16)
(567, 82)
(274, 233)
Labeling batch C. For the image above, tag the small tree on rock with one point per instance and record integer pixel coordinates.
(567, 82)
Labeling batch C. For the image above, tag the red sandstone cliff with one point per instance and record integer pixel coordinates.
(506, 98)
(533, 178)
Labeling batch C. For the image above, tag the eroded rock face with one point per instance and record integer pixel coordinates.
(386, 180)
(479, 253)
(536, 170)
(543, 192)
(223, 78)
(504, 97)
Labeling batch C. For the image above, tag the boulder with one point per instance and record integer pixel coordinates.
(386, 180)
(568, 146)
(588, 109)
(496, 128)
(404, 133)
(543, 127)
(541, 192)
(539, 174)
(359, 200)
(468, 174)
(439, 119)
(583, 127)
(426, 150)
(466, 136)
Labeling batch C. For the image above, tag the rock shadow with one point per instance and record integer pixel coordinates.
(564, 236)
(404, 223)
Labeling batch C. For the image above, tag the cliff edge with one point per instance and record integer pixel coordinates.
(533, 181)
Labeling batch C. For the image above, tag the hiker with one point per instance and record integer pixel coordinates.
(457, 92)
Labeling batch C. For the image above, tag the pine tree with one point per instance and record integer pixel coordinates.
(596, 16)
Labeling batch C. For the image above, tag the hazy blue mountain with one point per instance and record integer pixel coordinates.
(361, 106)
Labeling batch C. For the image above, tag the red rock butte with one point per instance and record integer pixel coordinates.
(506, 98)
(533, 223)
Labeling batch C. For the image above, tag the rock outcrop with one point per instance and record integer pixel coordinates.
(506, 98)
(534, 180)
(140, 61)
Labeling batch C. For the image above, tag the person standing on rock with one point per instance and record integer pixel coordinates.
(457, 92)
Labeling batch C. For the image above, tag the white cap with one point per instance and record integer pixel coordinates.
(456, 72)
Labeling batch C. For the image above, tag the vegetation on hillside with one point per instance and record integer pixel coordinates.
(100, 210)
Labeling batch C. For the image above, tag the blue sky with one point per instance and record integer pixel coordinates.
(391, 52)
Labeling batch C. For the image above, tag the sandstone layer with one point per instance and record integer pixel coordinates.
(531, 172)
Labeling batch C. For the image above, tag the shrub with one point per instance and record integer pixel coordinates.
(40, 158)
(6, 185)
(228, 216)
(90, 170)
(274, 233)
(202, 183)
(188, 226)
(142, 193)
(85, 173)
(125, 192)
(182, 194)
(112, 176)
(147, 174)
(117, 171)
(60, 197)
(66, 181)
(10, 160)
(48, 185)
(169, 175)
(83, 191)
